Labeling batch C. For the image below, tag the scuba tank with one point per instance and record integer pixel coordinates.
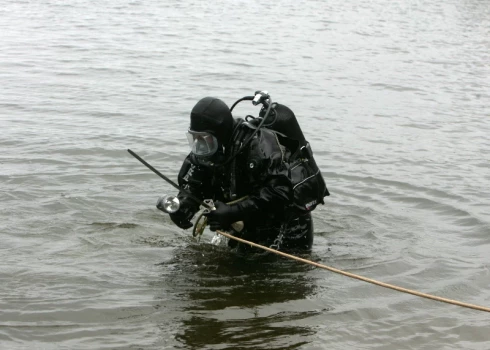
(282, 120)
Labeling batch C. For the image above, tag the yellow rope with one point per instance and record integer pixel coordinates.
(348, 274)
(237, 200)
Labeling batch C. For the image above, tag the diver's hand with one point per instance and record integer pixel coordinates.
(223, 216)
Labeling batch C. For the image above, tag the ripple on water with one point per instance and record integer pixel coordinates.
(392, 98)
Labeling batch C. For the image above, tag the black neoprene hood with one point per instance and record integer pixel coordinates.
(212, 115)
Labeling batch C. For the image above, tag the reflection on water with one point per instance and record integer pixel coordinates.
(239, 301)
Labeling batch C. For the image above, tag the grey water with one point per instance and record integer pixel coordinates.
(394, 98)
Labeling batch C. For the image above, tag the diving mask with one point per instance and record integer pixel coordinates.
(202, 143)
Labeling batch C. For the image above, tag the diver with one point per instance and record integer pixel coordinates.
(259, 171)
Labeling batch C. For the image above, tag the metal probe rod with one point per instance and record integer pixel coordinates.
(204, 204)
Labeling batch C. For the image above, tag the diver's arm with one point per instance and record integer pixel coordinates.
(269, 200)
(192, 179)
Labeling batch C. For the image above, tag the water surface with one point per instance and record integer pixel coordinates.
(394, 98)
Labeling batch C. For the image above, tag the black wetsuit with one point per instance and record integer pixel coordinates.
(260, 172)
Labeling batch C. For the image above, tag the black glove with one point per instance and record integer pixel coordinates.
(183, 216)
(223, 216)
